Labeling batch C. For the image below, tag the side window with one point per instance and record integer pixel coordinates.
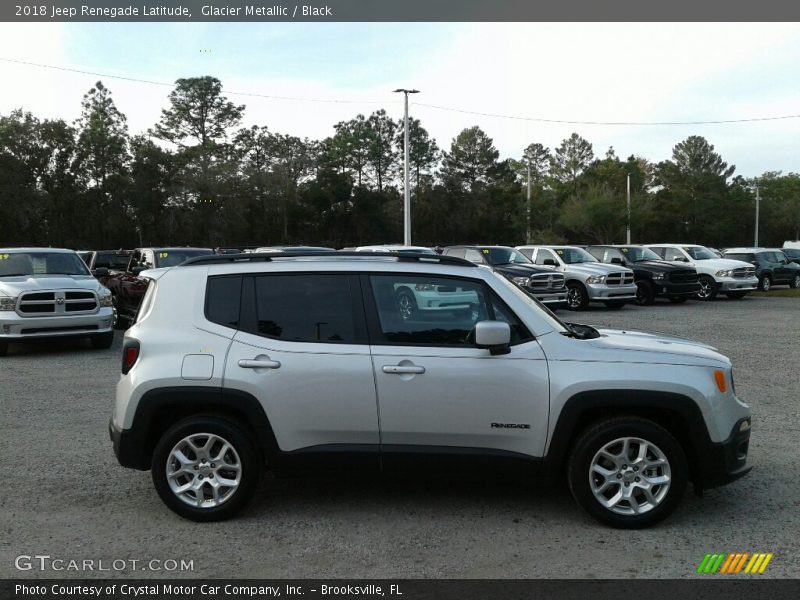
(457, 252)
(596, 252)
(147, 260)
(316, 307)
(134, 262)
(673, 254)
(543, 255)
(473, 255)
(528, 252)
(223, 297)
(659, 251)
(435, 311)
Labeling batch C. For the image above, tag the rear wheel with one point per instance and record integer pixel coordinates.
(103, 340)
(708, 288)
(577, 298)
(205, 468)
(627, 472)
(645, 294)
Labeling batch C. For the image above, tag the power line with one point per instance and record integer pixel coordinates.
(422, 104)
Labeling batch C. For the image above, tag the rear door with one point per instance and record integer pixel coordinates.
(439, 394)
(302, 351)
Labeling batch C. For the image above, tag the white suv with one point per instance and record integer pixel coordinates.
(734, 278)
(305, 363)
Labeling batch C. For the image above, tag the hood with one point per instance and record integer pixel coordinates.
(660, 266)
(595, 268)
(639, 344)
(720, 264)
(13, 286)
(520, 270)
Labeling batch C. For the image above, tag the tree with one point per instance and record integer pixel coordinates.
(572, 157)
(423, 152)
(382, 154)
(349, 148)
(472, 159)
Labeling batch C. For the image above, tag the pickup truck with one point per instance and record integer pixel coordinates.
(110, 260)
(128, 287)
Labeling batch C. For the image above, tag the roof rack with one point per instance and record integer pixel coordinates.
(270, 256)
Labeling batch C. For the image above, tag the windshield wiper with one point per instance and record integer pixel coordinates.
(15, 274)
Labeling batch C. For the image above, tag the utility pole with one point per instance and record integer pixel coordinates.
(629, 211)
(528, 210)
(407, 190)
(758, 199)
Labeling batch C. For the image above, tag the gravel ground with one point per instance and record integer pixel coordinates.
(68, 498)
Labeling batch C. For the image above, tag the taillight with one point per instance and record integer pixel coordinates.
(130, 354)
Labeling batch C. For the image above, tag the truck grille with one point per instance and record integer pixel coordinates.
(59, 302)
(744, 272)
(619, 279)
(686, 276)
(546, 281)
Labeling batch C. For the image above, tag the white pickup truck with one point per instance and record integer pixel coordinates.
(48, 293)
(715, 275)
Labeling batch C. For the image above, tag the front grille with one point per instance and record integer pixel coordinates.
(32, 330)
(619, 279)
(687, 276)
(546, 281)
(744, 272)
(57, 303)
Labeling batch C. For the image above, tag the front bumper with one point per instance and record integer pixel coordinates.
(730, 284)
(17, 328)
(665, 288)
(549, 297)
(724, 462)
(602, 292)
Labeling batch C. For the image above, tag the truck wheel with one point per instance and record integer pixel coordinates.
(3, 347)
(645, 294)
(765, 283)
(205, 468)
(795, 282)
(577, 298)
(102, 340)
(708, 288)
(615, 304)
(627, 472)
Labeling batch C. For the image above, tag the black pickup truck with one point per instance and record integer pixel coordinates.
(128, 287)
(544, 284)
(654, 277)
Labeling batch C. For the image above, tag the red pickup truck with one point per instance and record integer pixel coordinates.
(128, 287)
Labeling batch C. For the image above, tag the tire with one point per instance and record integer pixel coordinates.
(765, 283)
(577, 298)
(586, 480)
(736, 295)
(708, 288)
(3, 347)
(677, 299)
(102, 340)
(615, 304)
(406, 304)
(200, 430)
(795, 282)
(645, 294)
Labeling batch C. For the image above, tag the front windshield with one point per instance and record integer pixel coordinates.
(14, 264)
(573, 256)
(111, 260)
(556, 323)
(504, 256)
(635, 254)
(699, 253)
(170, 258)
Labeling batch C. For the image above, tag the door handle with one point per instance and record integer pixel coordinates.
(259, 364)
(403, 369)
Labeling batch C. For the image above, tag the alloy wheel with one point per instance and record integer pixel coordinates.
(204, 470)
(705, 290)
(574, 297)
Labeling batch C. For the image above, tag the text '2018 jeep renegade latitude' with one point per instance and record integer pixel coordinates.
(307, 362)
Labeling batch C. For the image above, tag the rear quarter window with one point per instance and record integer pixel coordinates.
(223, 300)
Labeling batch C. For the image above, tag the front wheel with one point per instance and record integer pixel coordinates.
(795, 282)
(708, 288)
(577, 298)
(205, 468)
(645, 294)
(765, 284)
(627, 472)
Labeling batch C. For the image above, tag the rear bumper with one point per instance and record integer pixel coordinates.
(721, 463)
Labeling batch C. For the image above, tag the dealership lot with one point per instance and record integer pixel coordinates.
(68, 498)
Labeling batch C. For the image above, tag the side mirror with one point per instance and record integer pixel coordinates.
(616, 260)
(550, 262)
(494, 336)
(100, 272)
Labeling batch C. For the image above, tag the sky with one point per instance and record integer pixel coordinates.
(570, 72)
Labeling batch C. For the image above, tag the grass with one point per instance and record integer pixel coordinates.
(780, 293)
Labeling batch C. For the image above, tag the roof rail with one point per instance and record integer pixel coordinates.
(269, 256)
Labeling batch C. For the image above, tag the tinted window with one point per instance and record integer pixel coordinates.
(305, 308)
(504, 256)
(111, 260)
(175, 256)
(223, 296)
(740, 256)
(437, 311)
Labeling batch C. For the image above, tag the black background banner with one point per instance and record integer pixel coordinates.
(713, 587)
(401, 10)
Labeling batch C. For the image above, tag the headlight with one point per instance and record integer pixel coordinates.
(724, 273)
(105, 298)
(425, 287)
(658, 276)
(7, 303)
(596, 279)
(521, 280)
